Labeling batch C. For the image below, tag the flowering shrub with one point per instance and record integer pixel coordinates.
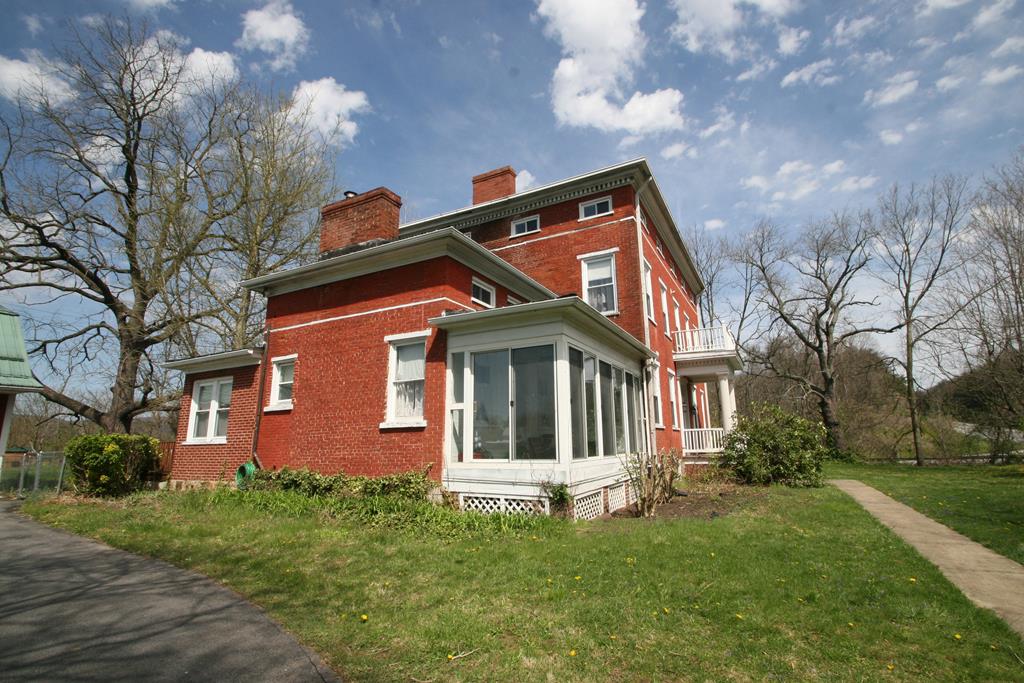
(112, 464)
(775, 447)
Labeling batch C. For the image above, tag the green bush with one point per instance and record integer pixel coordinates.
(112, 464)
(405, 485)
(775, 447)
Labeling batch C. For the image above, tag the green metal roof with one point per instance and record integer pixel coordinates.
(14, 368)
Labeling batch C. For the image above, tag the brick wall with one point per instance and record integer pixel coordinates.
(341, 373)
(210, 462)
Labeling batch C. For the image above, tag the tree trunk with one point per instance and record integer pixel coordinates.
(915, 426)
(827, 405)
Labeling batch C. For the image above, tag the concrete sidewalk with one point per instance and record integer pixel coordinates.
(987, 578)
(72, 609)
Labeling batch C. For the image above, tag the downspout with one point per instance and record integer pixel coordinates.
(648, 365)
(259, 401)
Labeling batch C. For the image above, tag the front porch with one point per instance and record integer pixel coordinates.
(709, 356)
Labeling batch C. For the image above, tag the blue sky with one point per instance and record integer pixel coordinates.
(787, 108)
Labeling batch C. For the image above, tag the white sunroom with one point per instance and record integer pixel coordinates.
(543, 392)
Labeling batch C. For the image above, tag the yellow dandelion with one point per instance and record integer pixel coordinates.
(994, 647)
(665, 610)
(850, 624)
(913, 580)
(890, 666)
(712, 554)
(550, 581)
(578, 578)
(572, 653)
(739, 616)
(364, 617)
(957, 636)
(451, 657)
(615, 637)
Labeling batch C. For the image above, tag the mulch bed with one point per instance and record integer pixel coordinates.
(704, 504)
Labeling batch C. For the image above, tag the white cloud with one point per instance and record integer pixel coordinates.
(928, 44)
(891, 137)
(678, 150)
(711, 25)
(1011, 45)
(723, 123)
(992, 13)
(33, 24)
(601, 51)
(277, 31)
(757, 69)
(837, 166)
(756, 182)
(854, 183)
(818, 73)
(1000, 76)
(798, 189)
(947, 83)
(848, 31)
(897, 88)
(791, 40)
(209, 68)
(146, 5)
(795, 167)
(34, 75)
(714, 224)
(929, 6)
(331, 108)
(525, 180)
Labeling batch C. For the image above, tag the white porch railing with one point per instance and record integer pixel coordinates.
(700, 339)
(708, 440)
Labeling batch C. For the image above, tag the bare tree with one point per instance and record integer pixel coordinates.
(805, 293)
(918, 232)
(710, 256)
(109, 191)
(284, 174)
(988, 335)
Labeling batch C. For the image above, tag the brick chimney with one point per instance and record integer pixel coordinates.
(359, 218)
(501, 182)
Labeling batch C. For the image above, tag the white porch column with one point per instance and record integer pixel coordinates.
(725, 401)
(732, 395)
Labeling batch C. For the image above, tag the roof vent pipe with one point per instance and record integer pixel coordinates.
(349, 194)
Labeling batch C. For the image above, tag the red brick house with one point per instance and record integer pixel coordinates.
(530, 337)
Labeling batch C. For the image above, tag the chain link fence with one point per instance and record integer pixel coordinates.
(25, 473)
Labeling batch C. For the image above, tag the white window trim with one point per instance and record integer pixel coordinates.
(275, 384)
(673, 396)
(512, 229)
(664, 307)
(610, 211)
(659, 419)
(675, 313)
(584, 261)
(394, 341)
(483, 285)
(649, 293)
(214, 406)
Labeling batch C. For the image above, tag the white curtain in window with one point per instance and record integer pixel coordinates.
(410, 366)
(600, 287)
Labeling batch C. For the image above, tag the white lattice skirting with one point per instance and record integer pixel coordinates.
(589, 506)
(510, 506)
(616, 497)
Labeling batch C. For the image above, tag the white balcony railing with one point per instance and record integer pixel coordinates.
(708, 440)
(704, 339)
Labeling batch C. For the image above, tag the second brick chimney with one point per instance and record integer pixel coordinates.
(501, 182)
(359, 218)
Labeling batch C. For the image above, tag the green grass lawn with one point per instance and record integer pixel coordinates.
(983, 502)
(795, 585)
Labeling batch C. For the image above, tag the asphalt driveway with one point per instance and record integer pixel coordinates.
(75, 610)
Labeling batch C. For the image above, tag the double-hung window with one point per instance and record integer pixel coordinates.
(656, 396)
(282, 382)
(211, 403)
(648, 292)
(482, 293)
(673, 405)
(595, 208)
(599, 282)
(406, 380)
(664, 305)
(524, 226)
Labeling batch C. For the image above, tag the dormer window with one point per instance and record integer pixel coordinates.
(482, 293)
(595, 208)
(524, 226)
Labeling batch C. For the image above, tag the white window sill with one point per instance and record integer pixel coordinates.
(609, 313)
(278, 407)
(206, 442)
(524, 234)
(481, 303)
(657, 426)
(596, 215)
(411, 424)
